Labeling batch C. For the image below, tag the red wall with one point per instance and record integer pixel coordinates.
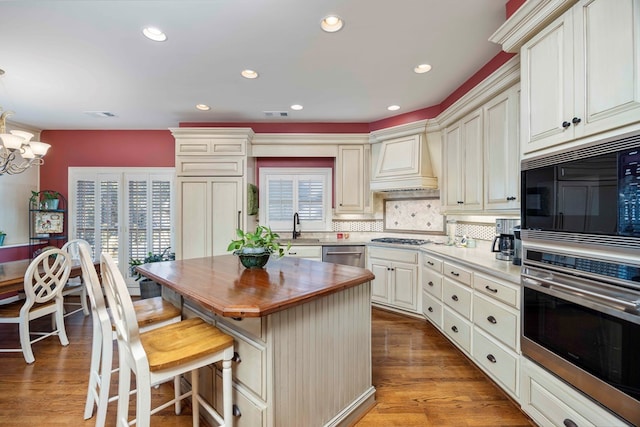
(121, 148)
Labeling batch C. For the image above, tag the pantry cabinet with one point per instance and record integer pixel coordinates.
(463, 164)
(396, 278)
(580, 75)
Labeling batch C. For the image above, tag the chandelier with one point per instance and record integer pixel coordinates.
(17, 152)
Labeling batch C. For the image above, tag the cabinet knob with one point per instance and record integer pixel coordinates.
(453, 273)
(569, 423)
(454, 297)
(566, 124)
(454, 328)
(495, 291)
(430, 309)
(236, 411)
(460, 202)
(510, 198)
(236, 357)
(491, 358)
(492, 320)
(430, 283)
(576, 120)
(430, 263)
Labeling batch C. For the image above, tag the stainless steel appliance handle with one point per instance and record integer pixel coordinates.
(633, 305)
(344, 253)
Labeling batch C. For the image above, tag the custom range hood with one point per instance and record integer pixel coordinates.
(401, 159)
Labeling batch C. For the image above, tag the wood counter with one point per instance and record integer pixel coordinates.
(302, 334)
(221, 284)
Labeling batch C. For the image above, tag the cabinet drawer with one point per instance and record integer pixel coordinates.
(432, 283)
(250, 413)
(209, 166)
(314, 252)
(457, 297)
(432, 262)
(432, 309)
(500, 363)
(248, 325)
(393, 254)
(457, 273)
(456, 328)
(498, 290)
(496, 320)
(210, 146)
(249, 368)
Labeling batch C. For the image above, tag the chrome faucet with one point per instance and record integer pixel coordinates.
(296, 220)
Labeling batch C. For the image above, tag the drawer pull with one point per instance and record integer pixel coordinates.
(430, 309)
(236, 411)
(293, 253)
(495, 291)
(236, 357)
(569, 423)
(454, 297)
(491, 358)
(453, 273)
(454, 328)
(430, 263)
(430, 283)
(237, 319)
(492, 319)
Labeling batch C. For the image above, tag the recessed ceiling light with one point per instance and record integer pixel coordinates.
(393, 107)
(297, 107)
(249, 74)
(422, 68)
(203, 107)
(331, 23)
(154, 34)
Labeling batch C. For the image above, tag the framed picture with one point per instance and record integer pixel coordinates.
(49, 222)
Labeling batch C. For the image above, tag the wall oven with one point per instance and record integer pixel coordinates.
(581, 270)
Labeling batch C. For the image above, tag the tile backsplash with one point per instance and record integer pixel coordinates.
(414, 215)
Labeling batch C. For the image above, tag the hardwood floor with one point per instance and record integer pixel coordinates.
(421, 380)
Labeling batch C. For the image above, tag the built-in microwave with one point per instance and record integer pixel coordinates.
(587, 196)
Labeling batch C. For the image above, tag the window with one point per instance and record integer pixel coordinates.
(126, 212)
(286, 191)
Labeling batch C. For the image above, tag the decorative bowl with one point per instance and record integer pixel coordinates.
(257, 260)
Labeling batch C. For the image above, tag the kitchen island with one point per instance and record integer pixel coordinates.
(302, 334)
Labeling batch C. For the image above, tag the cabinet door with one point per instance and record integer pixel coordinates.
(380, 284)
(607, 54)
(405, 286)
(226, 196)
(502, 158)
(472, 165)
(452, 184)
(350, 179)
(399, 157)
(546, 63)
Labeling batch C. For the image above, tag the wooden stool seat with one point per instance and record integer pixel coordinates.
(154, 311)
(182, 342)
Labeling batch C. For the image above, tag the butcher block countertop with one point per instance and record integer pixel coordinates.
(223, 285)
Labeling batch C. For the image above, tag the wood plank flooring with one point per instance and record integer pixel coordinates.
(421, 380)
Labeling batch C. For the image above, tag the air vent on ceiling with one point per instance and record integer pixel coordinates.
(101, 114)
(276, 114)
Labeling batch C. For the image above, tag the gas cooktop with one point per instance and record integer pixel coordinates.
(401, 241)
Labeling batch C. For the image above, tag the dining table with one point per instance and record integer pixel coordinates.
(12, 274)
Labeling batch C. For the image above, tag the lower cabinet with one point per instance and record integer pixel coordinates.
(458, 329)
(308, 252)
(550, 402)
(396, 282)
(432, 309)
(500, 362)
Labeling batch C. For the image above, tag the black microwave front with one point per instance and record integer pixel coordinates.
(593, 190)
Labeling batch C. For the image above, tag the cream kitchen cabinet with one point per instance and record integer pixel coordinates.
(502, 151)
(209, 211)
(580, 75)
(432, 289)
(396, 283)
(307, 252)
(462, 151)
(352, 180)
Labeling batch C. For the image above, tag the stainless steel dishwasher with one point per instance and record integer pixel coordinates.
(345, 255)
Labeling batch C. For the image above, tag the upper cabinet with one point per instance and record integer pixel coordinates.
(352, 179)
(580, 75)
(401, 160)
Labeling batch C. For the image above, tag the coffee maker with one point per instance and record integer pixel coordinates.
(504, 242)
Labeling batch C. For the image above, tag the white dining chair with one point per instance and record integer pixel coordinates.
(161, 354)
(151, 314)
(75, 286)
(43, 283)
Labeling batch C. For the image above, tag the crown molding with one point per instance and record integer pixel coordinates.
(309, 138)
(398, 131)
(527, 21)
(217, 133)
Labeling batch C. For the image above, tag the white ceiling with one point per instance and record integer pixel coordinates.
(63, 58)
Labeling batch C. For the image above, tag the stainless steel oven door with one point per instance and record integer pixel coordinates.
(586, 333)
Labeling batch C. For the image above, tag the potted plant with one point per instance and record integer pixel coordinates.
(51, 199)
(2, 236)
(149, 288)
(254, 249)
